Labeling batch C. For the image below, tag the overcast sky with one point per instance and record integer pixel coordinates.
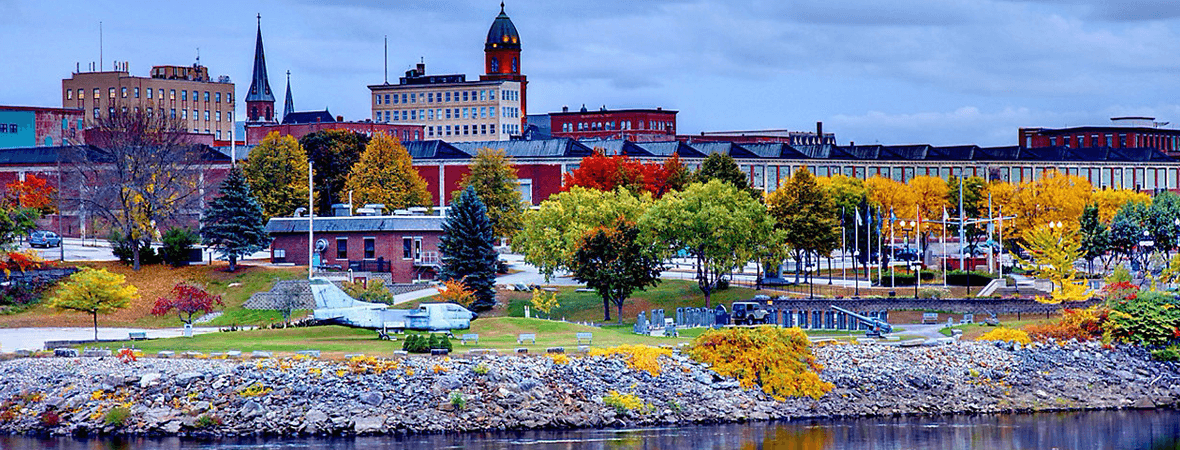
(897, 72)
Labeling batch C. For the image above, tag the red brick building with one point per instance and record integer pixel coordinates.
(34, 126)
(1124, 132)
(637, 125)
(403, 131)
(404, 246)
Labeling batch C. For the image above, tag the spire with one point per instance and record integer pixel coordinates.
(259, 84)
(288, 105)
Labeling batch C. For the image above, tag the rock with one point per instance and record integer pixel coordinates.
(1144, 403)
(368, 424)
(148, 379)
(188, 377)
(250, 410)
(372, 398)
(200, 407)
(315, 416)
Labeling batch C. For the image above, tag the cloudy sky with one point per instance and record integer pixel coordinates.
(903, 71)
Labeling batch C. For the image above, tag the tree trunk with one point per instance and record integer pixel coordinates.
(605, 308)
(135, 254)
(233, 263)
(619, 304)
(95, 315)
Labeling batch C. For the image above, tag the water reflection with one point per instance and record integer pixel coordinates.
(1089, 430)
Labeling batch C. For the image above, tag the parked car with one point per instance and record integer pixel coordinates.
(749, 313)
(907, 255)
(43, 238)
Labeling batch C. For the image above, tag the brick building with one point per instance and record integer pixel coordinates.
(1123, 132)
(406, 246)
(639, 125)
(30, 126)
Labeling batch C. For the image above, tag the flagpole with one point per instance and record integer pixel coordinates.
(945, 219)
(856, 243)
(962, 235)
(918, 246)
(843, 248)
(892, 250)
(880, 244)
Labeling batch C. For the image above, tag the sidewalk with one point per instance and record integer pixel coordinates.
(12, 339)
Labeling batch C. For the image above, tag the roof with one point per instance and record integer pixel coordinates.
(259, 84)
(281, 225)
(69, 153)
(434, 149)
(503, 33)
(298, 117)
(544, 148)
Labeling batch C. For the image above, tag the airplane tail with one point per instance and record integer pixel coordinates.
(328, 296)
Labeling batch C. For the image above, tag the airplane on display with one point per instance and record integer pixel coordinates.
(334, 306)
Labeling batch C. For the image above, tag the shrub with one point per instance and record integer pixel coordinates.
(23, 293)
(898, 279)
(933, 293)
(453, 291)
(778, 359)
(50, 418)
(1118, 291)
(1006, 335)
(433, 342)
(1148, 318)
(559, 358)
(416, 343)
(374, 291)
(117, 416)
(458, 401)
(639, 357)
(1169, 353)
(445, 342)
(176, 245)
(481, 369)
(622, 403)
(254, 390)
(122, 249)
(208, 421)
(722, 284)
(1080, 324)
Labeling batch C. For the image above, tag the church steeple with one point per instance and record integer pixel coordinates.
(288, 104)
(260, 101)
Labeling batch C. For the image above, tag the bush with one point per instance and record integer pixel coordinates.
(50, 418)
(416, 343)
(117, 416)
(23, 293)
(639, 357)
(622, 403)
(445, 342)
(975, 278)
(122, 249)
(898, 279)
(177, 242)
(722, 284)
(481, 369)
(778, 359)
(208, 421)
(374, 291)
(1006, 335)
(1080, 324)
(933, 293)
(458, 401)
(1148, 318)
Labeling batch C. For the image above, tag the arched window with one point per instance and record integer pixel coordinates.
(495, 65)
(253, 112)
(514, 68)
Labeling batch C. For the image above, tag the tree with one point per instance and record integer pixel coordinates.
(455, 292)
(467, 247)
(386, 175)
(187, 299)
(177, 241)
(1053, 252)
(615, 262)
(552, 233)
(606, 173)
(1055, 197)
(233, 223)
(807, 215)
(16, 222)
(544, 302)
(1095, 237)
(893, 197)
(930, 194)
(1162, 218)
(725, 169)
(372, 291)
(494, 180)
(276, 171)
(332, 153)
(1127, 226)
(715, 223)
(669, 177)
(33, 192)
(1109, 201)
(974, 206)
(94, 291)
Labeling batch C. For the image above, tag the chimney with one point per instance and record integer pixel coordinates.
(339, 118)
(421, 68)
(565, 108)
(819, 130)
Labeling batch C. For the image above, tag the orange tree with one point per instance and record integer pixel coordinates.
(33, 192)
(777, 359)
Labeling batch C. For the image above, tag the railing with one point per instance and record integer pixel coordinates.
(428, 259)
(380, 265)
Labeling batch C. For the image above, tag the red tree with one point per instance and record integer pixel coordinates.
(186, 299)
(33, 192)
(607, 173)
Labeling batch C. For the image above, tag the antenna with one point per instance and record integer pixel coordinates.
(387, 59)
(198, 56)
(100, 46)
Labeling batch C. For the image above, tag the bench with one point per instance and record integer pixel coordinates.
(967, 318)
(929, 318)
(526, 337)
(588, 337)
(471, 337)
(137, 335)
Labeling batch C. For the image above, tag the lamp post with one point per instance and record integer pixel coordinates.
(1145, 246)
(810, 280)
(1176, 229)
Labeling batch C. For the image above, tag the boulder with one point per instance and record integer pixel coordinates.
(372, 398)
(251, 409)
(368, 424)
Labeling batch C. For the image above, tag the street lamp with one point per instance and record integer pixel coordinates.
(810, 280)
(1145, 246)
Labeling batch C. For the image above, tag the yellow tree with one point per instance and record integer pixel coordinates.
(1052, 254)
(385, 174)
(277, 172)
(94, 291)
(930, 195)
(1055, 197)
(1109, 201)
(892, 196)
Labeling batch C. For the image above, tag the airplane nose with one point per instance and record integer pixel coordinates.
(474, 316)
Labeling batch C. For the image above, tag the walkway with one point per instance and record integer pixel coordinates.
(12, 339)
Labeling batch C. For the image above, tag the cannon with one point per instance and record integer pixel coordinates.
(877, 327)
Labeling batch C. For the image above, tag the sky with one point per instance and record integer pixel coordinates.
(943, 72)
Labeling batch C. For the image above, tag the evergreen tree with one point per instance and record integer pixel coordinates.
(467, 249)
(234, 221)
(494, 179)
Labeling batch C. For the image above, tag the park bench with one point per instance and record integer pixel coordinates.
(137, 335)
(526, 337)
(929, 318)
(470, 337)
(588, 337)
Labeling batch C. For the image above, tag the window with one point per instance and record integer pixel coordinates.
(342, 248)
(172, 94)
(136, 92)
(491, 112)
(526, 190)
(464, 95)
(407, 247)
(429, 97)
(95, 113)
(218, 117)
(161, 94)
(206, 95)
(370, 248)
(413, 98)
(217, 97)
(184, 95)
(483, 95)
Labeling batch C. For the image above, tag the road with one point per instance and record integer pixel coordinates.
(12, 339)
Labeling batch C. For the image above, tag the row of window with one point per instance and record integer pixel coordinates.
(446, 130)
(216, 96)
(773, 177)
(481, 95)
(483, 112)
(172, 114)
(411, 248)
(9, 128)
(569, 127)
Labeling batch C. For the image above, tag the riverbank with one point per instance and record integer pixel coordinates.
(432, 394)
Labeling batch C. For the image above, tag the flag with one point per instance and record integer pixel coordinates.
(945, 217)
(858, 221)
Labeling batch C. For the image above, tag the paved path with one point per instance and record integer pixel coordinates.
(12, 339)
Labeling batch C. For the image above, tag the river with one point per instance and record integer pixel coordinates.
(1137, 429)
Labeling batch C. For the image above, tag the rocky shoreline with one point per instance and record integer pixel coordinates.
(499, 392)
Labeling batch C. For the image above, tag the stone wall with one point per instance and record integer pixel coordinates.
(276, 297)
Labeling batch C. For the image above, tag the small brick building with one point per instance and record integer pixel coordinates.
(406, 246)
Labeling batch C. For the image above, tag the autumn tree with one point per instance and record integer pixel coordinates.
(606, 173)
(33, 192)
(1055, 197)
(1052, 254)
(670, 176)
(718, 226)
(139, 172)
(452, 291)
(1109, 201)
(233, 222)
(468, 255)
(552, 233)
(893, 197)
(1094, 236)
(930, 194)
(807, 215)
(615, 262)
(332, 153)
(723, 168)
(494, 180)
(385, 174)
(186, 299)
(93, 291)
(276, 171)
(974, 203)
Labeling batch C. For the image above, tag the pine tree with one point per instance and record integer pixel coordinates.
(234, 221)
(467, 249)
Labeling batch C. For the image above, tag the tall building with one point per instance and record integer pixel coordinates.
(639, 125)
(186, 93)
(27, 126)
(454, 109)
(1123, 132)
(260, 101)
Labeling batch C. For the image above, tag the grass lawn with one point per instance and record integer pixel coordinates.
(587, 306)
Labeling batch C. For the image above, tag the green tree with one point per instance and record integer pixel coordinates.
(276, 171)
(494, 179)
(553, 232)
(177, 242)
(615, 261)
(468, 254)
(807, 215)
(1127, 227)
(16, 222)
(94, 291)
(385, 174)
(233, 223)
(332, 153)
(1162, 218)
(715, 223)
(724, 168)
(1095, 237)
